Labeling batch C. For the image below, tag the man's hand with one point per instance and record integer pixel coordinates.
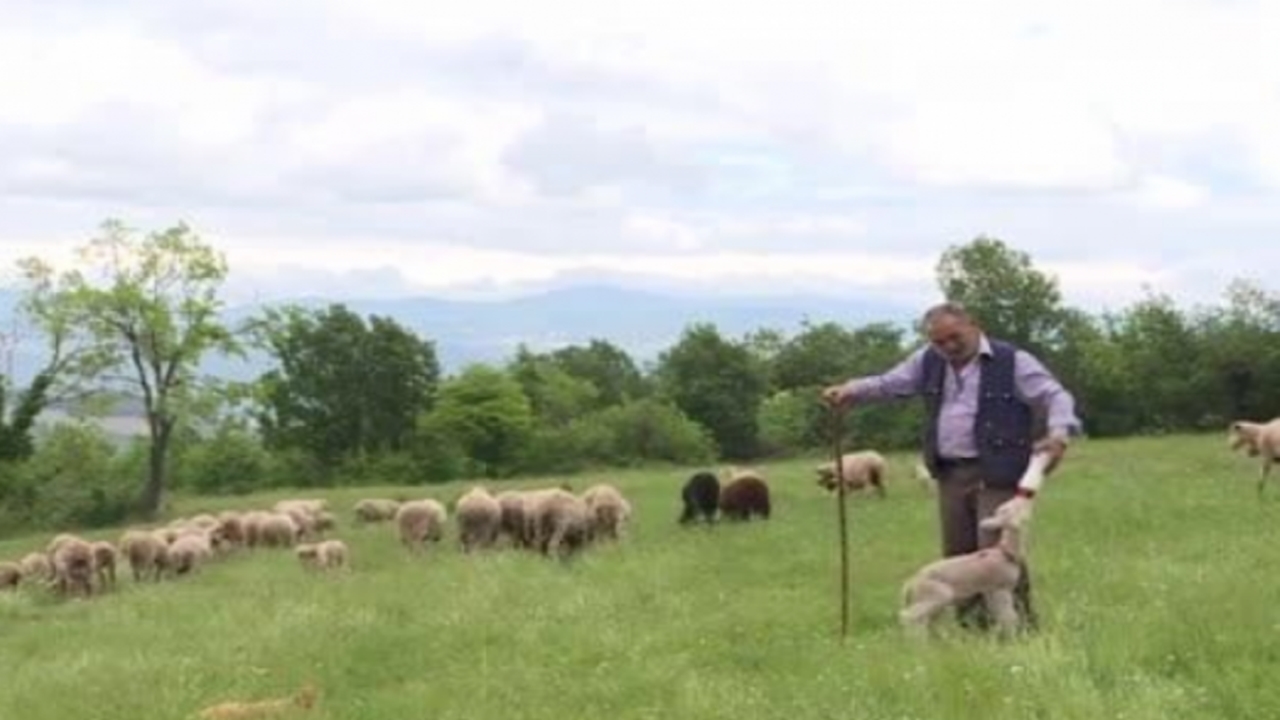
(1055, 448)
(835, 398)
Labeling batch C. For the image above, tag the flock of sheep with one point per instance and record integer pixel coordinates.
(552, 521)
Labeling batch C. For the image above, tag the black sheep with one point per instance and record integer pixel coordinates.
(701, 496)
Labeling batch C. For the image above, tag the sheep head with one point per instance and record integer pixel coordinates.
(1010, 519)
(826, 475)
(1243, 434)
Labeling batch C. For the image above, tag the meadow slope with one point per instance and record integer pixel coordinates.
(1153, 570)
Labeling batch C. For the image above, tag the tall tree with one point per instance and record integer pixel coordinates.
(608, 367)
(148, 308)
(717, 383)
(1002, 287)
(343, 387)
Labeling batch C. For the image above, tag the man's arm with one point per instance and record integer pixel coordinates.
(901, 381)
(1040, 388)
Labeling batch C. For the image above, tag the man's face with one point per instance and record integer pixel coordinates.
(956, 338)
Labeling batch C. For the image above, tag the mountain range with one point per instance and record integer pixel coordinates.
(643, 322)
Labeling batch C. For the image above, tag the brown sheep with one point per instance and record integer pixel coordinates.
(231, 525)
(1258, 439)
(10, 575)
(73, 565)
(860, 469)
(104, 563)
(562, 523)
(420, 521)
(146, 552)
(744, 495)
(376, 510)
(607, 510)
(479, 517)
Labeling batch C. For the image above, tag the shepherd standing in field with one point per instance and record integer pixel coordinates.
(982, 397)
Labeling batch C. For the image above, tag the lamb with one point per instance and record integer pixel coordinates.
(73, 565)
(419, 521)
(1257, 439)
(479, 519)
(607, 510)
(187, 553)
(10, 575)
(924, 477)
(701, 496)
(104, 563)
(745, 495)
(36, 566)
(860, 469)
(326, 555)
(991, 572)
(146, 552)
(376, 510)
(561, 523)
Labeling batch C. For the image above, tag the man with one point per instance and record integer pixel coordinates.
(981, 397)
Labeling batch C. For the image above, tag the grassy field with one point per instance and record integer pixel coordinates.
(1153, 567)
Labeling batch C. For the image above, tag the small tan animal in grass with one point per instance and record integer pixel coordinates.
(305, 699)
(991, 572)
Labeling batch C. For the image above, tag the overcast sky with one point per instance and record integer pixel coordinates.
(381, 147)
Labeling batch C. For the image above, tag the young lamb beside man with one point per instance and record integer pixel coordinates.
(991, 572)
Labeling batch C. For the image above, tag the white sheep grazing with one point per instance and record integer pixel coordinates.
(860, 469)
(146, 552)
(562, 524)
(608, 511)
(419, 521)
(373, 510)
(325, 555)
(73, 565)
(991, 572)
(1258, 439)
(479, 519)
(511, 504)
(277, 529)
(104, 563)
(187, 553)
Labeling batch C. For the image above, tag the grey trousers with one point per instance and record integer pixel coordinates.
(962, 502)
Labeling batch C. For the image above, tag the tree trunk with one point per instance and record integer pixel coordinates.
(153, 491)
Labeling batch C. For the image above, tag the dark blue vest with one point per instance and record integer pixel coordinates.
(1003, 426)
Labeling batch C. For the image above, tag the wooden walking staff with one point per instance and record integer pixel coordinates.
(836, 427)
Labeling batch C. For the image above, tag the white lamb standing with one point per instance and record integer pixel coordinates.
(990, 572)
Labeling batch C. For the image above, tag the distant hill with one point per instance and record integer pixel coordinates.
(642, 322)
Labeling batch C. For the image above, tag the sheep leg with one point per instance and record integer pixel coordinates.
(1262, 477)
(925, 599)
(1000, 603)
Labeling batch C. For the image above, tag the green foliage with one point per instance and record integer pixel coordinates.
(608, 368)
(143, 312)
(72, 480)
(1000, 286)
(485, 411)
(231, 462)
(343, 387)
(717, 383)
(16, 442)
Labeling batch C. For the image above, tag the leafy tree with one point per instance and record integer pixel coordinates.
(718, 384)
(556, 396)
(148, 310)
(1004, 290)
(342, 387)
(485, 411)
(608, 368)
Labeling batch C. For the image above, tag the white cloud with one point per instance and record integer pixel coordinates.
(507, 142)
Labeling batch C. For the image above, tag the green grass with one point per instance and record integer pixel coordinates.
(1154, 573)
